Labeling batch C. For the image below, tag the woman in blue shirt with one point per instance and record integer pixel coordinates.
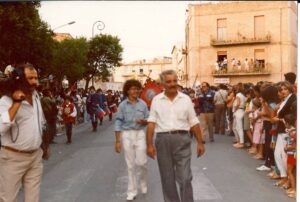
(130, 122)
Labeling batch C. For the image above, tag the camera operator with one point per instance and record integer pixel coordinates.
(21, 126)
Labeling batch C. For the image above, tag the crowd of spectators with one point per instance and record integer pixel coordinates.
(262, 119)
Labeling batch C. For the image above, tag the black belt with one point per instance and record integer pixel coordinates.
(19, 151)
(175, 132)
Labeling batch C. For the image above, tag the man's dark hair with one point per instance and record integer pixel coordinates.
(130, 83)
(206, 84)
(290, 77)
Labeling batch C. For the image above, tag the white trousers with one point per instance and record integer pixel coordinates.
(280, 155)
(134, 144)
(237, 125)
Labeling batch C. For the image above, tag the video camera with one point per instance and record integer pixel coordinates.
(11, 81)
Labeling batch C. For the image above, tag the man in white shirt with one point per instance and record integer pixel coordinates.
(172, 115)
(21, 124)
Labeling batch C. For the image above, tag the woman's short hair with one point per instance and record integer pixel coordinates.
(287, 85)
(130, 83)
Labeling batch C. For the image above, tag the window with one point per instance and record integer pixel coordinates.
(259, 58)
(141, 71)
(221, 29)
(150, 70)
(259, 26)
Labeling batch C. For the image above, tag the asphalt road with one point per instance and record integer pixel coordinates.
(90, 171)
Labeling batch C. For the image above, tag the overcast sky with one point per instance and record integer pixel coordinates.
(146, 29)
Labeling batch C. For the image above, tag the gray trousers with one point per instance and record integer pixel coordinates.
(220, 119)
(174, 162)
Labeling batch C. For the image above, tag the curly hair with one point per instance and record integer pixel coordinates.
(130, 83)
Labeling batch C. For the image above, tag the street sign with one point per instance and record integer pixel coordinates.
(221, 80)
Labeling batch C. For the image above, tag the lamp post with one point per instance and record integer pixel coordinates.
(70, 23)
(100, 26)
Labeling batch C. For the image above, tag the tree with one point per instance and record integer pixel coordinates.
(105, 52)
(24, 36)
(70, 59)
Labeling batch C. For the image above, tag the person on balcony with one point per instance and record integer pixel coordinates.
(251, 64)
(224, 64)
(233, 64)
(239, 65)
(217, 67)
(246, 64)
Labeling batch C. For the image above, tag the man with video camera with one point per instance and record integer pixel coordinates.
(21, 129)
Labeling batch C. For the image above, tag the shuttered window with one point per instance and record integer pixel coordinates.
(259, 26)
(221, 29)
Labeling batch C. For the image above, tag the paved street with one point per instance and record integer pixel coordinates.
(90, 171)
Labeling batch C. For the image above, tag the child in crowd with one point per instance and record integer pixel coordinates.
(69, 113)
(258, 134)
(290, 149)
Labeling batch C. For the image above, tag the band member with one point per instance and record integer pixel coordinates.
(69, 116)
(111, 103)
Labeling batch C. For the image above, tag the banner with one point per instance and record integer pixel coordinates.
(151, 89)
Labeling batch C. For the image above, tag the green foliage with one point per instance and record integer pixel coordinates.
(24, 36)
(70, 59)
(105, 52)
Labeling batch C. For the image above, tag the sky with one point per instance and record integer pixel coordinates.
(146, 29)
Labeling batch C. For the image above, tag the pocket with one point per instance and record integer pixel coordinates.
(3, 155)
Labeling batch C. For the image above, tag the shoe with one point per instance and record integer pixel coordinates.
(263, 168)
(130, 197)
(52, 142)
(212, 140)
(203, 142)
(144, 190)
(258, 157)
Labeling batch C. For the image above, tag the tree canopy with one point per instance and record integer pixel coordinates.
(105, 52)
(24, 36)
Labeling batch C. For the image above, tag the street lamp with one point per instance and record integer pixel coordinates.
(100, 26)
(70, 23)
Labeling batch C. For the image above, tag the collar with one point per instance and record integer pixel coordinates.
(179, 95)
(127, 100)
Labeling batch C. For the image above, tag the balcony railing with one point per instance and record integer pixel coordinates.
(256, 70)
(240, 41)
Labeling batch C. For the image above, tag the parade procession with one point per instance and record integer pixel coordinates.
(209, 116)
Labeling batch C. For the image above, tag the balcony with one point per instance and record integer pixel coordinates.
(255, 71)
(241, 40)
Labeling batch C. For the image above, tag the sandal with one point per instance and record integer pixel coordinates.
(290, 190)
(275, 177)
(279, 183)
(292, 194)
(286, 185)
(258, 157)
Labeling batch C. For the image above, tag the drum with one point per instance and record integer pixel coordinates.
(107, 111)
(113, 108)
(100, 112)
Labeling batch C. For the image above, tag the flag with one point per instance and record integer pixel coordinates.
(150, 89)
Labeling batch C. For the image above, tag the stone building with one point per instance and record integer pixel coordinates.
(179, 62)
(141, 69)
(263, 32)
(62, 36)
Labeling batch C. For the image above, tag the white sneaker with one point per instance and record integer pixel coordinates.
(144, 190)
(263, 168)
(130, 197)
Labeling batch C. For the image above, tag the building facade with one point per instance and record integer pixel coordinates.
(62, 36)
(219, 35)
(142, 69)
(179, 62)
